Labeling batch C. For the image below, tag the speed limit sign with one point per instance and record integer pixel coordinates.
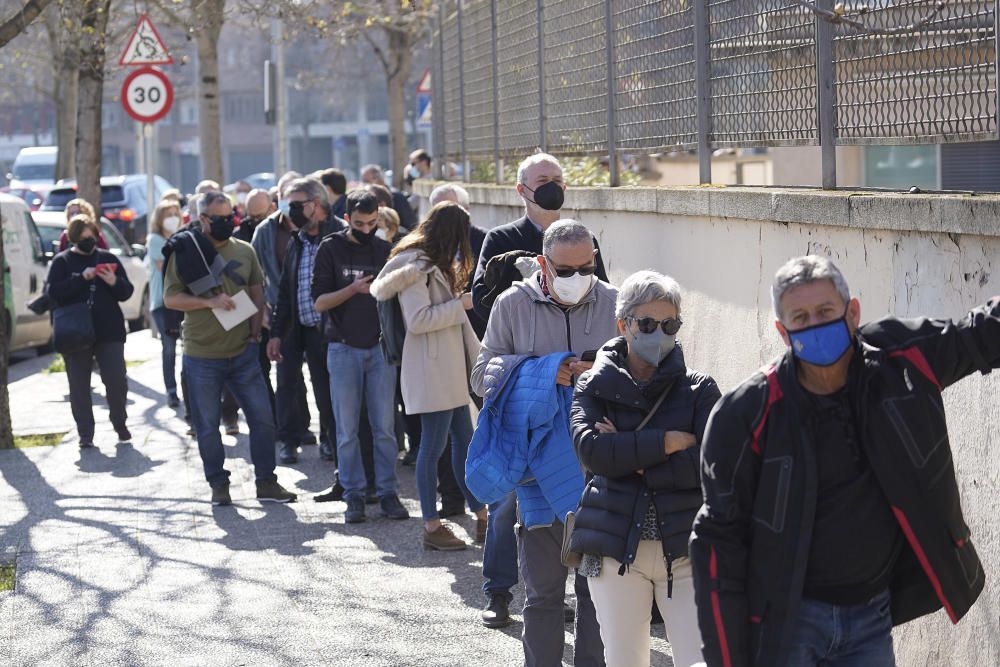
(147, 95)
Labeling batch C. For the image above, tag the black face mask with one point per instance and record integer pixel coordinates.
(297, 213)
(220, 226)
(549, 196)
(364, 238)
(86, 246)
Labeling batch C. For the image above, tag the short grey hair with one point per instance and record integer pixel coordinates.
(645, 287)
(194, 206)
(312, 189)
(285, 180)
(375, 169)
(440, 193)
(212, 197)
(565, 232)
(805, 270)
(532, 160)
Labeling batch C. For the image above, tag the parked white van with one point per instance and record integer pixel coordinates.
(28, 267)
(34, 169)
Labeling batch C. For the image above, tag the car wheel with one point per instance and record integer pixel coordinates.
(141, 322)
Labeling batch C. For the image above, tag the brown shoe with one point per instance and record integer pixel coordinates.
(443, 539)
(481, 525)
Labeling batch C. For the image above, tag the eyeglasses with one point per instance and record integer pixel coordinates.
(220, 219)
(297, 205)
(568, 272)
(648, 325)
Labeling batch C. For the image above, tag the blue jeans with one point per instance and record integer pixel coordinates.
(434, 430)
(169, 353)
(357, 374)
(500, 550)
(826, 635)
(241, 375)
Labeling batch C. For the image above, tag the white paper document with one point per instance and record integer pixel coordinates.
(245, 309)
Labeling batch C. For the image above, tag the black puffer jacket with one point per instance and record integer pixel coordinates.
(616, 499)
(750, 542)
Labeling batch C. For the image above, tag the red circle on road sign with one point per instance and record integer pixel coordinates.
(147, 95)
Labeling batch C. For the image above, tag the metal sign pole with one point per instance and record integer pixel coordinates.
(147, 130)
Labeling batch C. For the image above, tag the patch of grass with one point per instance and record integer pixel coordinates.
(38, 440)
(133, 363)
(58, 365)
(6, 577)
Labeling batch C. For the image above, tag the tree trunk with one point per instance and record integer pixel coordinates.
(94, 19)
(6, 430)
(400, 60)
(66, 84)
(211, 16)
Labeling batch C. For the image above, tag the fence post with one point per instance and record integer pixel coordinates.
(497, 164)
(437, 102)
(825, 96)
(703, 88)
(542, 122)
(609, 37)
(461, 94)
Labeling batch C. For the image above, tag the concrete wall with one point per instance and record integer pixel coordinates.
(903, 254)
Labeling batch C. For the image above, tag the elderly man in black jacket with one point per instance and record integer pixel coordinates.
(831, 510)
(295, 329)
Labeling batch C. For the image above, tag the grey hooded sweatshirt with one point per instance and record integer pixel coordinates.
(526, 323)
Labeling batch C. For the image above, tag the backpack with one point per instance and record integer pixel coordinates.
(393, 326)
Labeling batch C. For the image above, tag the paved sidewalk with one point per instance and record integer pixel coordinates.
(121, 560)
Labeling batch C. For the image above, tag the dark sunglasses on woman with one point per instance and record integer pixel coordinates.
(648, 325)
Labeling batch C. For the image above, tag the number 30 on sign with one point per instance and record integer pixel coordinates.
(147, 95)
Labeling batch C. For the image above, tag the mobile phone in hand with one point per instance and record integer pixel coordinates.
(105, 266)
(589, 356)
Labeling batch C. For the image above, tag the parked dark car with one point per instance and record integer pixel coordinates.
(123, 202)
(32, 198)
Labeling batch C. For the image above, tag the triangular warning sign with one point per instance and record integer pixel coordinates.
(425, 82)
(145, 46)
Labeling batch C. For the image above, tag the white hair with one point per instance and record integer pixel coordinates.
(565, 232)
(532, 160)
(645, 287)
(803, 271)
(441, 193)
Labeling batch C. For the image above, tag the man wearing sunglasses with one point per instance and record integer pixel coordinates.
(562, 308)
(831, 509)
(215, 358)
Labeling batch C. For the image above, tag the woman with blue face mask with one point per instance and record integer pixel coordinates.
(638, 419)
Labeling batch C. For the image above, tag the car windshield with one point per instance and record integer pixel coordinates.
(50, 237)
(35, 172)
(57, 199)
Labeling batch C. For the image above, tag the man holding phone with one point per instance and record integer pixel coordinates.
(562, 307)
(346, 263)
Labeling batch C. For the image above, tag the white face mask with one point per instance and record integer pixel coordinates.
(241, 197)
(380, 234)
(171, 224)
(571, 290)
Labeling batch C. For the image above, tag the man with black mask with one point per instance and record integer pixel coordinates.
(540, 183)
(217, 358)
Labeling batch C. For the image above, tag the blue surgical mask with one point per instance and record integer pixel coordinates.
(823, 344)
(654, 347)
(284, 206)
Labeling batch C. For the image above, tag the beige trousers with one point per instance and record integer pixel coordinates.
(624, 605)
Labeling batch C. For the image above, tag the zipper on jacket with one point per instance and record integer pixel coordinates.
(569, 332)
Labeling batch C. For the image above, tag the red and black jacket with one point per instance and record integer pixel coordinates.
(751, 538)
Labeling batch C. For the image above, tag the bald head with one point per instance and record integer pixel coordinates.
(258, 203)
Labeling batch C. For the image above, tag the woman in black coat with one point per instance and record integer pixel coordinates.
(82, 273)
(636, 512)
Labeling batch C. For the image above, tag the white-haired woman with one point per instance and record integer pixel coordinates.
(638, 419)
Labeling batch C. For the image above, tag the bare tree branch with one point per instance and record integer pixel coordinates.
(16, 24)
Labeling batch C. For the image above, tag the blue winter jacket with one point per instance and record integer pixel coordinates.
(523, 442)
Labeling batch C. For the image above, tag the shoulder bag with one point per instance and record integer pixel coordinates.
(73, 326)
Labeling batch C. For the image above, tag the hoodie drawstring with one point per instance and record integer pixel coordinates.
(531, 327)
(590, 317)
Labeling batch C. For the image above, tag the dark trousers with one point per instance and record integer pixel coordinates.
(302, 342)
(111, 361)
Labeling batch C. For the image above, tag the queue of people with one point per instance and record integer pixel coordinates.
(792, 521)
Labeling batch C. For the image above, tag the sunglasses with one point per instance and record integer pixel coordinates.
(648, 325)
(297, 205)
(568, 273)
(220, 219)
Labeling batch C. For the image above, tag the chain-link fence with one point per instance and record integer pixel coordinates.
(614, 78)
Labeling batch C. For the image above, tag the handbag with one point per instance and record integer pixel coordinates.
(73, 326)
(572, 558)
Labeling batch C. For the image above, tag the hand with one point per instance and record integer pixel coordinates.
(222, 301)
(565, 376)
(108, 276)
(362, 285)
(606, 426)
(89, 273)
(274, 350)
(581, 367)
(678, 441)
(467, 301)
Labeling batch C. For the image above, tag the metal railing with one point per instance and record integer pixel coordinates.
(612, 78)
